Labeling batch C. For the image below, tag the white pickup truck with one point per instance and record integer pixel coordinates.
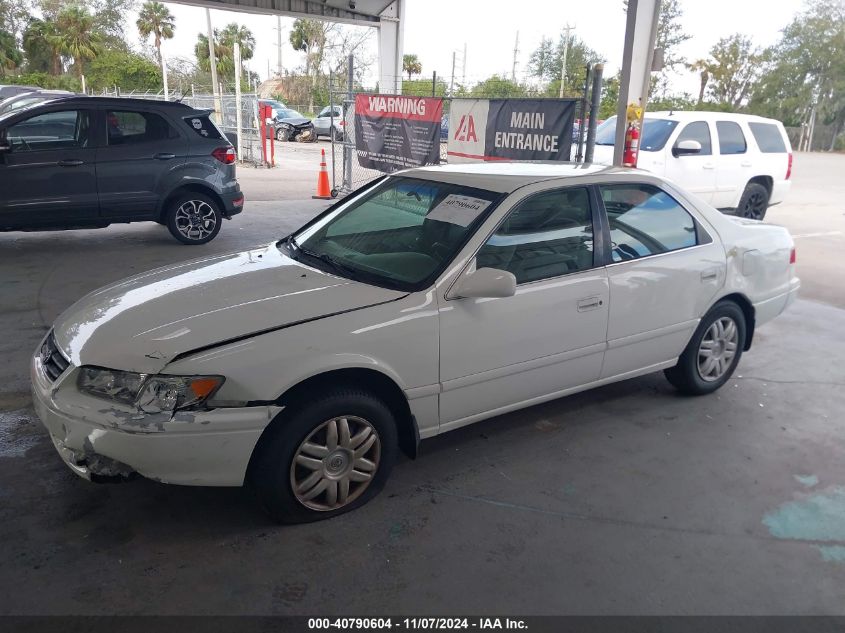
(736, 162)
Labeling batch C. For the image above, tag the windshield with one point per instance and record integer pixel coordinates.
(400, 234)
(290, 114)
(654, 135)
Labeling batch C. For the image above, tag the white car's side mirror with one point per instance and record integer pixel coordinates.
(685, 148)
(485, 283)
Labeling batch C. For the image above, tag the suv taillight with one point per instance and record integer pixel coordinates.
(792, 256)
(225, 155)
(789, 167)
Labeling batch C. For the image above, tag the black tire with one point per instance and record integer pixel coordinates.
(686, 376)
(208, 212)
(272, 468)
(754, 202)
(282, 135)
(338, 136)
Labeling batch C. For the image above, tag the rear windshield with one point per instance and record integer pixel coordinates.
(768, 138)
(654, 135)
(202, 125)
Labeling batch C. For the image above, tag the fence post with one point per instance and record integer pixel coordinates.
(331, 125)
(347, 148)
(579, 155)
(598, 70)
(434, 84)
(238, 113)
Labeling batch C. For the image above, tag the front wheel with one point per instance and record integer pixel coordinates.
(713, 353)
(282, 135)
(754, 202)
(325, 457)
(194, 218)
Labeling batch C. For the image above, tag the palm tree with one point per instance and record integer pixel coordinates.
(10, 56)
(157, 20)
(39, 33)
(411, 65)
(703, 67)
(75, 36)
(232, 34)
(222, 56)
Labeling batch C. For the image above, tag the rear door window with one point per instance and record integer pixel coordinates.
(731, 138)
(203, 126)
(126, 127)
(645, 220)
(697, 131)
(768, 138)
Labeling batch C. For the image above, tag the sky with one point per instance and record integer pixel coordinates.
(436, 28)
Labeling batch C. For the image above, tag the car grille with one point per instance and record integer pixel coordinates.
(52, 359)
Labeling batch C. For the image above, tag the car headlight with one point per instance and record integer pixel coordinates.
(150, 393)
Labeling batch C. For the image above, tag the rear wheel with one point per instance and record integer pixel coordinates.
(338, 136)
(754, 202)
(194, 218)
(713, 353)
(326, 457)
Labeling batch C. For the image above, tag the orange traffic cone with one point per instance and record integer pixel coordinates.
(323, 188)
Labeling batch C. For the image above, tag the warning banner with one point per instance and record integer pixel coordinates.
(393, 132)
(510, 129)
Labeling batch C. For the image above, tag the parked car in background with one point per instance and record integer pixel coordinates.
(419, 304)
(26, 99)
(290, 125)
(444, 127)
(12, 90)
(330, 122)
(84, 162)
(736, 162)
(275, 104)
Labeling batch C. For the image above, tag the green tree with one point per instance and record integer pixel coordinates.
(422, 88)
(41, 47)
(13, 16)
(156, 19)
(225, 61)
(411, 65)
(497, 87)
(546, 61)
(10, 56)
(310, 37)
(126, 69)
(703, 67)
(109, 19)
(733, 70)
(806, 67)
(75, 36)
(232, 34)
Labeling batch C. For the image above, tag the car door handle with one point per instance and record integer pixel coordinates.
(70, 163)
(746, 163)
(164, 156)
(589, 303)
(708, 166)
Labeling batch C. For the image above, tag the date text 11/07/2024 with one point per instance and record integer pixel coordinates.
(430, 624)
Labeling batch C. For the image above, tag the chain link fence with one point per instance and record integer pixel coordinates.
(249, 134)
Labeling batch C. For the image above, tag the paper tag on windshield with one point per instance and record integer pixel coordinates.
(457, 209)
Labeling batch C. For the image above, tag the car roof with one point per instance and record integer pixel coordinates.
(118, 101)
(506, 176)
(707, 115)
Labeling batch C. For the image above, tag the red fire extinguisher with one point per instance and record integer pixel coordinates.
(632, 146)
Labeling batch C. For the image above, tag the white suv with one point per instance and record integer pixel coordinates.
(733, 161)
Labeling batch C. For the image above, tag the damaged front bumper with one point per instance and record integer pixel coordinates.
(101, 440)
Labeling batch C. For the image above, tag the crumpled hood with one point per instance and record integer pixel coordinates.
(295, 121)
(141, 323)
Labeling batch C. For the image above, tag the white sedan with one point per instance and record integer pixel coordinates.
(428, 300)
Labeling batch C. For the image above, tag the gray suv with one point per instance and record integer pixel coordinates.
(84, 162)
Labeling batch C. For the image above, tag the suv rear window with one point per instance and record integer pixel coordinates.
(768, 138)
(203, 126)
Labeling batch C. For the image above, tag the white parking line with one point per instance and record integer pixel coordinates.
(817, 234)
